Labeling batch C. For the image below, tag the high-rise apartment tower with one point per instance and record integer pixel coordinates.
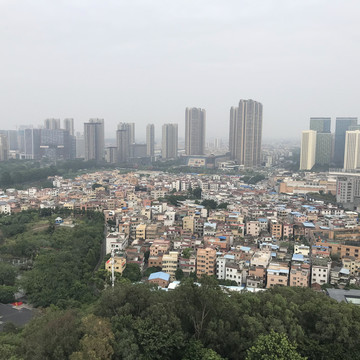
(246, 132)
(69, 126)
(352, 150)
(150, 140)
(123, 141)
(94, 139)
(320, 124)
(195, 120)
(342, 126)
(169, 141)
(308, 149)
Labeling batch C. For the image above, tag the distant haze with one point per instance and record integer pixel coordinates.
(146, 61)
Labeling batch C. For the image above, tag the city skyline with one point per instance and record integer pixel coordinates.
(48, 69)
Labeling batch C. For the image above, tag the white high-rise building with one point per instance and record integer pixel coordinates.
(308, 149)
(352, 150)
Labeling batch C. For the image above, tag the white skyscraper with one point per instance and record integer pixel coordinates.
(308, 149)
(352, 150)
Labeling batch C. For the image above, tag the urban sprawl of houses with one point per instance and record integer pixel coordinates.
(268, 234)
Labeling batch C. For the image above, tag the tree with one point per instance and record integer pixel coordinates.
(95, 186)
(132, 272)
(274, 346)
(54, 335)
(7, 294)
(179, 274)
(210, 204)
(7, 274)
(195, 350)
(186, 253)
(146, 256)
(197, 193)
(96, 343)
(151, 270)
(223, 205)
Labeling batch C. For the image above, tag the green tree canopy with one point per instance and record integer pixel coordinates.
(274, 346)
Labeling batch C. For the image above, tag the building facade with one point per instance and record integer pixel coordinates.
(69, 126)
(324, 142)
(205, 262)
(4, 148)
(150, 140)
(169, 149)
(320, 124)
(342, 126)
(94, 139)
(308, 149)
(123, 141)
(195, 120)
(246, 133)
(352, 150)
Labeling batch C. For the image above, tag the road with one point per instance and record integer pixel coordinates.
(102, 250)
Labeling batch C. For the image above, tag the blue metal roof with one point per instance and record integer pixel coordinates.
(245, 248)
(308, 224)
(160, 275)
(298, 257)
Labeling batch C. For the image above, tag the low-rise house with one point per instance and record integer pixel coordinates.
(277, 274)
(320, 270)
(160, 278)
(119, 264)
(300, 274)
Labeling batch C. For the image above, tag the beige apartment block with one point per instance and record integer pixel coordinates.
(253, 228)
(141, 231)
(205, 262)
(275, 229)
(300, 275)
(277, 274)
(170, 263)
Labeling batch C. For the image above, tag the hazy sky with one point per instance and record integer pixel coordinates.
(144, 61)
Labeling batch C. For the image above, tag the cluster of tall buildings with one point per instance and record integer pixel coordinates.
(51, 141)
(56, 142)
(244, 137)
(320, 147)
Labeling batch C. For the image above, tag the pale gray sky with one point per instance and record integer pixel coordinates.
(144, 61)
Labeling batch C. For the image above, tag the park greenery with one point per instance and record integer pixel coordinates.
(139, 321)
(56, 262)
